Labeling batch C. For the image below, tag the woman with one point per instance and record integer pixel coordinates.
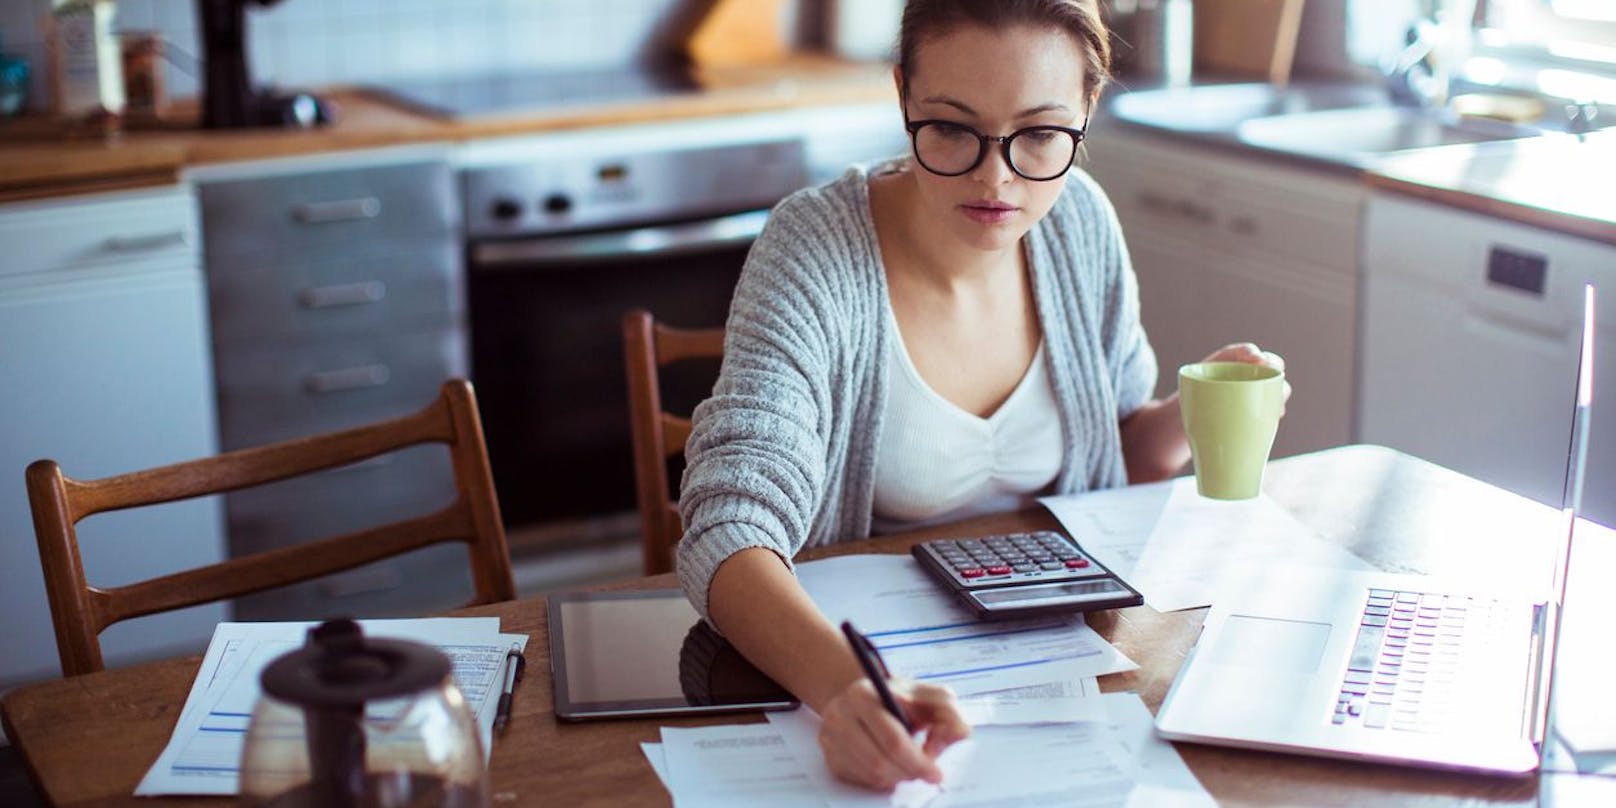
(950, 334)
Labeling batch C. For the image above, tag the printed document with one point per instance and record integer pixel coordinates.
(1178, 548)
(1116, 761)
(924, 634)
(204, 753)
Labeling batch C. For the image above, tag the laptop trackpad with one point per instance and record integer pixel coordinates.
(1279, 646)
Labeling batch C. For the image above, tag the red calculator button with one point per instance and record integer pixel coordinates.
(1077, 563)
(973, 572)
(999, 570)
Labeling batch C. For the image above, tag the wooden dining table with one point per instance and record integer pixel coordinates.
(87, 740)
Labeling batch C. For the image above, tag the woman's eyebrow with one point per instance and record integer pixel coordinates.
(1051, 106)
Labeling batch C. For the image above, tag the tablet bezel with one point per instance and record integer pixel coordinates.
(568, 710)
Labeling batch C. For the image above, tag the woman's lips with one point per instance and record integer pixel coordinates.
(987, 211)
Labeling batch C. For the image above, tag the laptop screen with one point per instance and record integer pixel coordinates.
(1570, 504)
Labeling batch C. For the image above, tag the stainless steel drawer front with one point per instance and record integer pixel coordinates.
(345, 212)
(271, 392)
(302, 302)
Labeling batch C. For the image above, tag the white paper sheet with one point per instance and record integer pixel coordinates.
(1161, 777)
(1177, 548)
(1048, 703)
(658, 760)
(204, 753)
(1078, 764)
(736, 765)
(923, 633)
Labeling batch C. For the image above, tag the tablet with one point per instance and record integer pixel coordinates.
(626, 654)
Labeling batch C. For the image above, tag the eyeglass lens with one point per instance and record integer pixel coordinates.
(946, 148)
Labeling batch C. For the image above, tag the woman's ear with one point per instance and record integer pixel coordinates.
(897, 81)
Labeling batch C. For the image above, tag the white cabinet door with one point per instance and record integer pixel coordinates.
(1230, 248)
(106, 370)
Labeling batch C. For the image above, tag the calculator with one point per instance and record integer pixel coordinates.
(1024, 575)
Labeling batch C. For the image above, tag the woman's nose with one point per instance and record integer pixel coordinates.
(995, 166)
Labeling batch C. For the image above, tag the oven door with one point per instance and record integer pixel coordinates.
(547, 353)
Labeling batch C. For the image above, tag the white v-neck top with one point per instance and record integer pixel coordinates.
(936, 462)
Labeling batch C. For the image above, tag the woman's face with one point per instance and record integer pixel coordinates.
(996, 82)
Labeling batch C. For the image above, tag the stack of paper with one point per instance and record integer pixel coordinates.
(1043, 734)
(204, 754)
(1178, 548)
(1114, 761)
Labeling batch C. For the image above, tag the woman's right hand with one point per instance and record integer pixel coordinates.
(865, 745)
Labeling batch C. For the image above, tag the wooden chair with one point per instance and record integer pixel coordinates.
(659, 436)
(80, 611)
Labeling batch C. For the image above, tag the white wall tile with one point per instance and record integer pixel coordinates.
(310, 43)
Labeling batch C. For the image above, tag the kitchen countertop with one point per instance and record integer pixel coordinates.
(1557, 182)
(37, 159)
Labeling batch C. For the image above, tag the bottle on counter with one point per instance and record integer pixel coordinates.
(13, 84)
(86, 62)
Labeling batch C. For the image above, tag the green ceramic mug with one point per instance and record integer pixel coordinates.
(1231, 412)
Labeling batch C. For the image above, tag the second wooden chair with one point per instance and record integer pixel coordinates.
(659, 436)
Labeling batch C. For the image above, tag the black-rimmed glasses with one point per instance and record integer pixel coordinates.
(1037, 153)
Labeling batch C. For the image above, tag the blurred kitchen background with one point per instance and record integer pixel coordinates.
(480, 188)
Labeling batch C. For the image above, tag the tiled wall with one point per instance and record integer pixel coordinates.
(319, 42)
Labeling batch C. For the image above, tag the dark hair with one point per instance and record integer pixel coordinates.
(923, 19)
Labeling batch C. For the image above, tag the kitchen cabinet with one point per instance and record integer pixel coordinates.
(338, 300)
(1229, 248)
(104, 368)
(1470, 345)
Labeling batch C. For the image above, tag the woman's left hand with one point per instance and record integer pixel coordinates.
(1249, 353)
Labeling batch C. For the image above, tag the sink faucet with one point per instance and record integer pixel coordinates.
(1415, 76)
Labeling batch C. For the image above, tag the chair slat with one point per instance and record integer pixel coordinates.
(675, 434)
(286, 565)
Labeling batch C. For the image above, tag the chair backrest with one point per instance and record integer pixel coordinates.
(658, 436)
(80, 611)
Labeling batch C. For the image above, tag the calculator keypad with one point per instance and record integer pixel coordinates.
(1013, 558)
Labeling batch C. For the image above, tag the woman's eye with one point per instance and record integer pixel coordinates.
(950, 130)
(1039, 136)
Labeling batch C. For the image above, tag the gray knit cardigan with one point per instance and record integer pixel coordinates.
(782, 455)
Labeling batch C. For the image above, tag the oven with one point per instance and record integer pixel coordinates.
(563, 238)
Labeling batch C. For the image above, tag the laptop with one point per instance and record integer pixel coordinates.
(1385, 667)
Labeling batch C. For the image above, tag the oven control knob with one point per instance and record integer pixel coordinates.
(557, 203)
(506, 210)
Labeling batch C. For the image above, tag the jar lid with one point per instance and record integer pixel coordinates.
(340, 667)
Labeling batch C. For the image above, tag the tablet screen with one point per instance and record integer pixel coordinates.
(619, 654)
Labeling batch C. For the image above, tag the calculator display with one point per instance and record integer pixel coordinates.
(1045, 592)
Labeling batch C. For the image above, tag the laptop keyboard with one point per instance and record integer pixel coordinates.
(1409, 651)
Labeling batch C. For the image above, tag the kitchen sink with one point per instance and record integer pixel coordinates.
(1222, 107)
(1358, 133)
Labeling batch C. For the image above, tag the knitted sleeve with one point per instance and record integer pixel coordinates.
(755, 462)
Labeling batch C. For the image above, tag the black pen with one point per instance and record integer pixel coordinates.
(870, 660)
(514, 664)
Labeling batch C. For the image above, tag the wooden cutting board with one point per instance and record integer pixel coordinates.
(738, 32)
(1247, 38)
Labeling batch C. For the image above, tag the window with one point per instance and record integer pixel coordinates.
(1570, 31)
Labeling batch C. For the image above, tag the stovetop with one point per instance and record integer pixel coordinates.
(497, 95)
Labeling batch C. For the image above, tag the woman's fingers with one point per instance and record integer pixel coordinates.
(866, 745)
(936, 709)
(896, 745)
(853, 756)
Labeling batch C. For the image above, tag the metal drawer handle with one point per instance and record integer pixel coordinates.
(336, 381)
(152, 241)
(342, 210)
(344, 294)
